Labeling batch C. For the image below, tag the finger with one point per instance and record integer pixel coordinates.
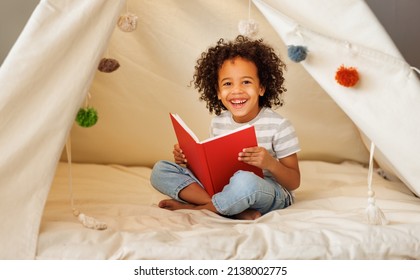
(251, 150)
(180, 156)
(248, 154)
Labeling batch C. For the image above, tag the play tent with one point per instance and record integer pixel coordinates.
(52, 71)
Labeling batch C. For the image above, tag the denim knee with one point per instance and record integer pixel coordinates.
(158, 169)
(247, 190)
(170, 178)
(247, 181)
(242, 192)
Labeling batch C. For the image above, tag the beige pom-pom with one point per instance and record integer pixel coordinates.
(89, 222)
(127, 22)
(248, 27)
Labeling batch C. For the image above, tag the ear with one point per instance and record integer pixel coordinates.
(218, 94)
(262, 91)
(217, 91)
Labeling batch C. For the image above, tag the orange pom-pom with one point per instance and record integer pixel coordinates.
(347, 76)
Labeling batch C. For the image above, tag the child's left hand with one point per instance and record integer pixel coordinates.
(256, 156)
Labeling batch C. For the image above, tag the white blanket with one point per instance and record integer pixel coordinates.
(326, 222)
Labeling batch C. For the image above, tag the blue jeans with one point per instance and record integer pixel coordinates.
(245, 189)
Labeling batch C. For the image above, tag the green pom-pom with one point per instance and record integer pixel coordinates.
(87, 117)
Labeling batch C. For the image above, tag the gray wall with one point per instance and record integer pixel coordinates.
(13, 17)
(399, 17)
(401, 20)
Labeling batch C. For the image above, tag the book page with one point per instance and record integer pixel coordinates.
(245, 126)
(185, 126)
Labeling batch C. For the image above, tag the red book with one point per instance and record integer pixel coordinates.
(215, 160)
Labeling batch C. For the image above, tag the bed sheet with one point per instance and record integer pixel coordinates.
(326, 222)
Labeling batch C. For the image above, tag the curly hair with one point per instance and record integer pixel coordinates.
(270, 71)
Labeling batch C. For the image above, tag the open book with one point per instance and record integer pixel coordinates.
(215, 160)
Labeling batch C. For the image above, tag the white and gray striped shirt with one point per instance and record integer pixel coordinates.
(274, 132)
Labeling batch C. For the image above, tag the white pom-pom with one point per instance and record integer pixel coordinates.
(127, 22)
(91, 222)
(248, 27)
(88, 221)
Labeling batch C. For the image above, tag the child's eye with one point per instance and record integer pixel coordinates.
(247, 82)
(226, 84)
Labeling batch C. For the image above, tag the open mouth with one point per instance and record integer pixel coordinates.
(238, 103)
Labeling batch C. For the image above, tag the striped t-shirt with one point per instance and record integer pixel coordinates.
(274, 132)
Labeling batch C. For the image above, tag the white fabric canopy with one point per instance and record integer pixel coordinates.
(384, 104)
(43, 81)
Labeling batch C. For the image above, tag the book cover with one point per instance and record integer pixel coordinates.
(214, 160)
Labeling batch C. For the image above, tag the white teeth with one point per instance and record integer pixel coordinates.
(238, 101)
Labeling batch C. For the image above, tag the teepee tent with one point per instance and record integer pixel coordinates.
(43, 82)
(52, 71)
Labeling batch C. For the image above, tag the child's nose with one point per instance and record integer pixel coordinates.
(237, 88)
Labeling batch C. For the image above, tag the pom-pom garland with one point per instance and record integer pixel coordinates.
(127, 22)
(89, 222)
(347, 76)
(87, 117)
(248, 27)
(297, 53)
(108, 65)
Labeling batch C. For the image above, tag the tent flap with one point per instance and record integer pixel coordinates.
(43, 81)
(384, 103)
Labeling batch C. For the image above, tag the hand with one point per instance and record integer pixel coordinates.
(285, 170)
(256, 156)
(179, 156)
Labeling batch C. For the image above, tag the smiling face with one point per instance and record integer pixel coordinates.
(239, 88)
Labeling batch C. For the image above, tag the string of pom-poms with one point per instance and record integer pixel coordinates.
(248, 27)
(86, 221)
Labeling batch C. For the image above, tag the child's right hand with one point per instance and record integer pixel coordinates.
(179, 156)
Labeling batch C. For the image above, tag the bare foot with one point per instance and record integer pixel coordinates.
(172, 204)
(248, 214)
